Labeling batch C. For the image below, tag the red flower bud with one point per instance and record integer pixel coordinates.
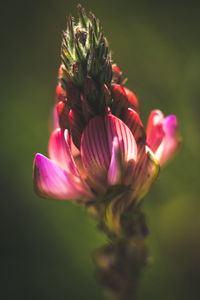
(60, 93)
(63, 111)
(132, 99)
(117, 74)
(123, 99)
(120, 101)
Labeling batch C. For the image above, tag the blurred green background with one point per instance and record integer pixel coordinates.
(46, 245)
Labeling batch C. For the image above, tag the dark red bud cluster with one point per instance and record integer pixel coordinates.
(76, 106)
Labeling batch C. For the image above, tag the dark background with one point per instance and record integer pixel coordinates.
(46, 245)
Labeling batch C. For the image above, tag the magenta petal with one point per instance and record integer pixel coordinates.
(171, 141)
(115, 168)
(154, 132)
(51, 181)
(127, 144)
(97, 147)
(59, 151)
(95, 152)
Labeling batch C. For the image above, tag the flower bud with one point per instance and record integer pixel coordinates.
(120, 102)
(63, 111)
(132, 99)
(60, 93)
(123, 99)
(117, 74)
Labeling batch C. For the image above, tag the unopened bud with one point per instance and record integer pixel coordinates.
(63, 111)
(117, 74)
(60, 93)
(132, 99)
(123, 98)
(119, 99)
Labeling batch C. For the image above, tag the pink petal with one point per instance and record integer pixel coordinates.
(97, 148)
(154, 130)
(54, 121)
(74, 150)
(115, 168)
(95, 152)
(59, 151)
(132, 119)
(127, 144)
(171, 141)
(51, 181)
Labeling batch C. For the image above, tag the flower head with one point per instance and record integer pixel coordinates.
(99, 148)
(112, 153)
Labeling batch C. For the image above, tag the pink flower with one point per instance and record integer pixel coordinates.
(162, 136)
(113, 153)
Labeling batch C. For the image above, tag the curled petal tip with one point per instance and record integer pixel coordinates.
(59, 150)
(52, 182)
(170, 123)
(171, 142)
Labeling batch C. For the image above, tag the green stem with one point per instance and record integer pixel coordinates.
(120, 262)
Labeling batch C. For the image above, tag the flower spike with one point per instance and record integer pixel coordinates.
(100, 154)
